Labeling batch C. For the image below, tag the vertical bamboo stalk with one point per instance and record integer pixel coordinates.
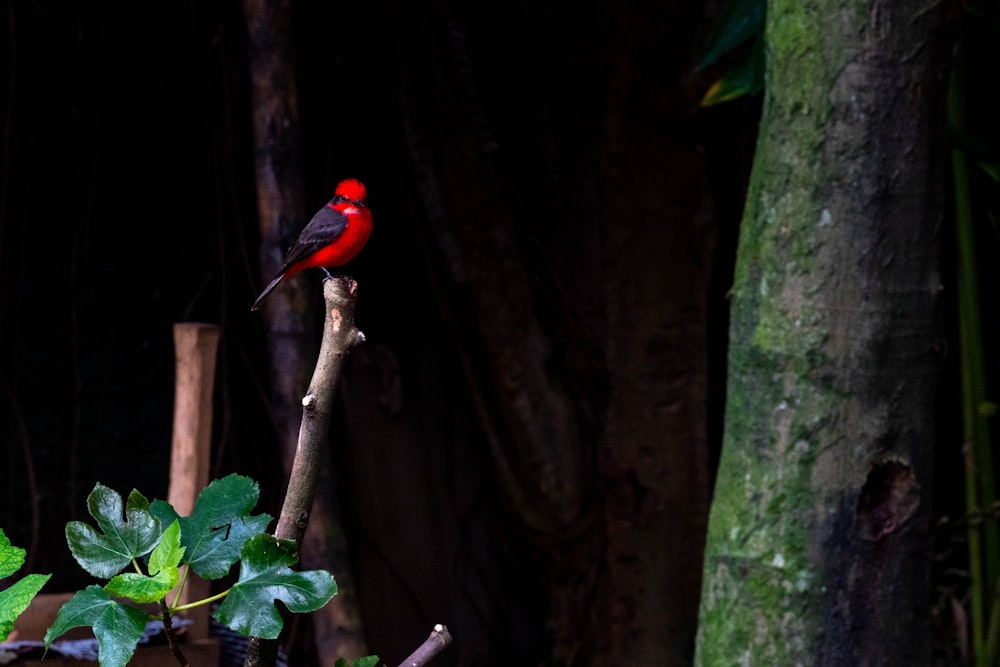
(980, 485)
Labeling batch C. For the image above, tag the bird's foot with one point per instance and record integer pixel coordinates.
(347, 280)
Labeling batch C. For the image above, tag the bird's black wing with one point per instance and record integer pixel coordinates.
(325, 226)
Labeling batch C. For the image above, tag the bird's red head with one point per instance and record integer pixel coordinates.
(352, 189)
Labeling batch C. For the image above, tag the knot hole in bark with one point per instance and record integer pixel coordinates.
(889, 497)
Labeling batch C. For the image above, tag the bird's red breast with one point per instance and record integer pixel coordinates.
(349, 241)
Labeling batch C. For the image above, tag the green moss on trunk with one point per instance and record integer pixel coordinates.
(831, 369)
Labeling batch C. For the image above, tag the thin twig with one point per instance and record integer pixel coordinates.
(168, 630)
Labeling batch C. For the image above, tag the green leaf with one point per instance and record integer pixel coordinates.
(746, 77)
(367, 661)
(219, 525)
(162, 569)
(105, 555)
(15, 598)
(117, 627)
(140, 588)
(739, 21)
(11, 557)
(168, 552)
(266, 576)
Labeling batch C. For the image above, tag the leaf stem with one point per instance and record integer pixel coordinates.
(198, 603)
(180, 585)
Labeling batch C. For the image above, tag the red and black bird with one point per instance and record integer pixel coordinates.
(332, 238)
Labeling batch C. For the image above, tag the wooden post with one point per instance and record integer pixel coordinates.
(195, 347)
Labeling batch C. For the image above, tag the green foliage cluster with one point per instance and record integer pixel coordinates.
(140, 548)
(15, 598)
(155, 542)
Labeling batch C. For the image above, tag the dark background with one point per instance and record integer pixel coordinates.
(127, 203)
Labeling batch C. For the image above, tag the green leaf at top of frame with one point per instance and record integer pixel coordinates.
(123, 536)
(15, 598)
(367, 661)
(266, 576)
(738, 22)
(745, 77)
(219, 525)
(118, 627)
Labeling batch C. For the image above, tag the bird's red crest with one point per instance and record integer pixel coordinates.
(352, 188)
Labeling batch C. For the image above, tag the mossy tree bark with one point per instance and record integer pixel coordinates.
(816, 551)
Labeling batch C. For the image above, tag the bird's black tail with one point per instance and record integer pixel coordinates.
(267, 290)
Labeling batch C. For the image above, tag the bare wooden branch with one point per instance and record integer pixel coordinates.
(339, 335)
(434, 644)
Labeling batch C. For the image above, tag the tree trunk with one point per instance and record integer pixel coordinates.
(290, 311)
(657, 235)
(817, 545)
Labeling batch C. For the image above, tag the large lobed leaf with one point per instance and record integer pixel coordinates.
(266, 576)
(118, 627)
(219, 525)
(15, 598)
(104, 554)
